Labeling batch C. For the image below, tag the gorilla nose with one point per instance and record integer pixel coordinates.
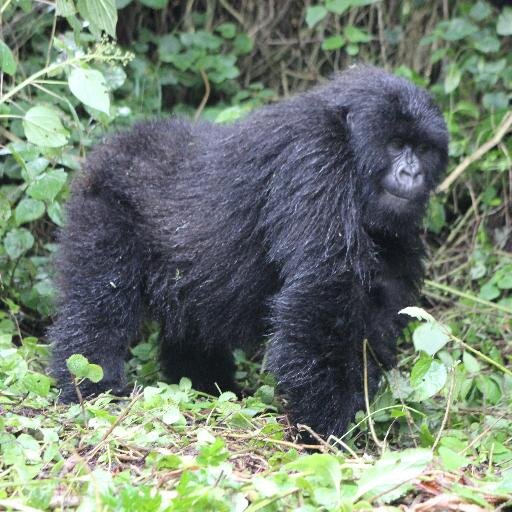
(409, 177)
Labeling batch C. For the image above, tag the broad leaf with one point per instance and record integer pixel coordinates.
(43, 127)
(430, 337)
(452, 79)
(89, 86)
(28, 210)
(78, 365)
(17, 242)
(7, 62)
(504, 26)
(384, 478)
(101, 15)
(315, 14)
(46, 186)
(428, 376)
(333, 43)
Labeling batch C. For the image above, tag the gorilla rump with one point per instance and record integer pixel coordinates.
(299, 223)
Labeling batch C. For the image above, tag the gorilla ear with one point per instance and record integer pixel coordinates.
(350, 121)
(348, 118)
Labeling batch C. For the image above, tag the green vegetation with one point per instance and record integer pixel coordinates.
(439, 433)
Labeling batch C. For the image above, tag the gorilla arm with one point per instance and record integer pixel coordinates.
(316, 351)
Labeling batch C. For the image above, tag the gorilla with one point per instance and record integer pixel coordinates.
(299, 223)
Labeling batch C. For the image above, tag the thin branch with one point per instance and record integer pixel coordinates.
(233, 12)
(377, 441)
(468, 296)
(206, 95)
(447, 411)
(503, 128)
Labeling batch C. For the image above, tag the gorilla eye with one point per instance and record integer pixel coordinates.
(396, 144)
(422, 148)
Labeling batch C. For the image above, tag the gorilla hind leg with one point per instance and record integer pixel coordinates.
(100, 303)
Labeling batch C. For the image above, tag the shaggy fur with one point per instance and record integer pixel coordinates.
(269, 226)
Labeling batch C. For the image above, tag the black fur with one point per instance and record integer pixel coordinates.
(270, 226)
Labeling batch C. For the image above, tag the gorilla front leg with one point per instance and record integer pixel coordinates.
(316, 355)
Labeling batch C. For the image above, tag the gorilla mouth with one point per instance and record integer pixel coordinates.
(395, 195)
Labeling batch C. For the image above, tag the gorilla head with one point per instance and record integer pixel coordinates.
(399, 142)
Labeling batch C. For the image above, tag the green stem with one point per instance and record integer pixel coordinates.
(468, 296)
(487, 359)
(4, 6)
(44, 71)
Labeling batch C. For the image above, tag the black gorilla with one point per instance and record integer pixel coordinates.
(299, 222)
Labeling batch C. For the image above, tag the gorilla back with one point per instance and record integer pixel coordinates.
(300, 222)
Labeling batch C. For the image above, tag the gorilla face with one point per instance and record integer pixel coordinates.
(401, 147)
(409, 176)
(405, 177)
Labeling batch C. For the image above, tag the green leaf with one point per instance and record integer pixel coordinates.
(471, 363)
(452, 460)
(7, 62)
(101, 15)
(265, 393)
(436, 217)
(37, 383)
(489, 291)
(227, 30)
(28, 210)
(430, 337)
(504, 278)
(489, 389)
(94, 372)
(452, 79)
(495, 100)
(242, 44)
(333, 43)
(480, 11)
(30, 446)
(78, 365)
(65, 8)
(154, 4)
(487, 44)
(356, 35)
(168, 46)
(55, 213)
(383, 479)
(427, 383)
(457, 28)
(352, 49)
(89, 86)
(338, 6)
(315, 14)
(504, 26)
(46, 186)
(115, 77)
(17, 242)
(419, 369)
(5, 211)
(201, 39)
(418, 313)
(230, 114)
(173, 416)
(325, 466)
(121, 4)
(212, 454)
(43, 127)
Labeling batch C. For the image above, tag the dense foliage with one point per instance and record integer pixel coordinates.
(75, 69)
